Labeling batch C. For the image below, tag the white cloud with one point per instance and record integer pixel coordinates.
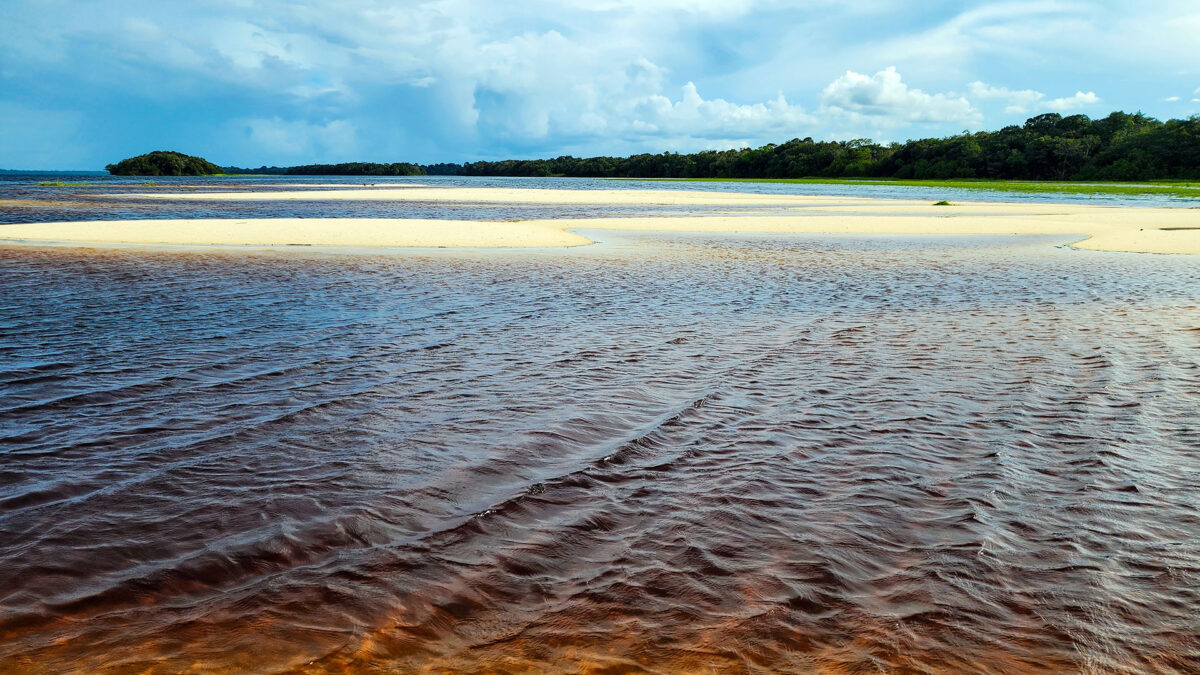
(693, 116)
(999, 31)
(1171, 99)
(1069, 103)
(537, 87)
(461, 79)
(1028, 100)
(297, 138)
(886, 98)
(1019, 102)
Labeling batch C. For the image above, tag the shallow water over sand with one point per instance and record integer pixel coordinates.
(708, 453)
(33, 198)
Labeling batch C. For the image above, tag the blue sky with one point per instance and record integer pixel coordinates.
(273, 82)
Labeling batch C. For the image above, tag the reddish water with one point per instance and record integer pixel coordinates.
(709, 454)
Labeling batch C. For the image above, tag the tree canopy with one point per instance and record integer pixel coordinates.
(1120, 146)
(344, 169)
(164, 163)
(357, 169)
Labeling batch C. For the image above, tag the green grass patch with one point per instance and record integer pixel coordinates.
(942, 203)
(1168, 188)
(59, 183)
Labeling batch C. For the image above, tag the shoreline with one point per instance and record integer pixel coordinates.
(1101, 228)
(495, 195)
(1181, 188)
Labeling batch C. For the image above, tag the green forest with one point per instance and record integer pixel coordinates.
(1119, 147)
(344, 169)
(164, 163)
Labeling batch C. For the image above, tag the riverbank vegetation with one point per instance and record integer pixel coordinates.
(1162, 187)
(1064, 150)
(1119, 147)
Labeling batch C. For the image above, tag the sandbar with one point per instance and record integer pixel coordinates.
(301, 232)
(1104, 228)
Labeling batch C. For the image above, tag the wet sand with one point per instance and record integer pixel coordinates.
(1099, 229)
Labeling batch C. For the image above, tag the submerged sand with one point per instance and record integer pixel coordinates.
(1151, 230)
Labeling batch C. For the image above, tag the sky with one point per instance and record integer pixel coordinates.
(276, 82)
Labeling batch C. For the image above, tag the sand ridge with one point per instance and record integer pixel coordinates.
(1107, 228)
(301, 232)
(493, 195)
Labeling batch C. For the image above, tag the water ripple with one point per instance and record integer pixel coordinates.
(665, 453)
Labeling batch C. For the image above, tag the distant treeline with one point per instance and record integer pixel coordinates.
(353, 169)
(444, 169)
(1120, 147)
(1047, 147)
(344, 169)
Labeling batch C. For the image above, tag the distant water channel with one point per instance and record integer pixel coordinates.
(662, 453)
(89, 197)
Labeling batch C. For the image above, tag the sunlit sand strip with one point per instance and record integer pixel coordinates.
(302, 232)
(1134, 230)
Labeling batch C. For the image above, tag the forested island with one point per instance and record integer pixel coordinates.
(170, 163)
(164, 163)
(1119, 147)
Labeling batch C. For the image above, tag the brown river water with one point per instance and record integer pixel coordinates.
(662, 453)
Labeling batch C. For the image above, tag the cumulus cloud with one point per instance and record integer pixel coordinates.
(1076, 102)
(1019, 102)
(298, 138)
(529, 92)
(885, 97)
(1028, 100)
(695, 117)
